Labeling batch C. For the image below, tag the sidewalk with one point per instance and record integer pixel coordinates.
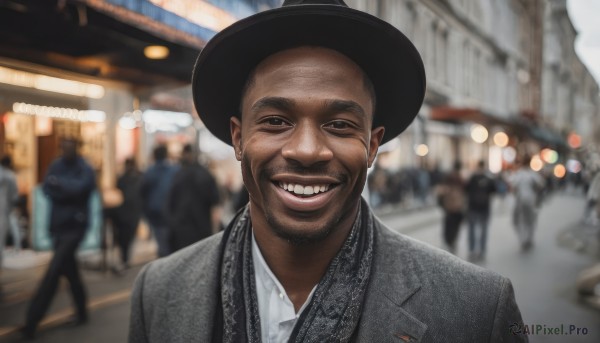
(23, 271)
(584, 238)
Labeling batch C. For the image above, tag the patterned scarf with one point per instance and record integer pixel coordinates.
(335, 308)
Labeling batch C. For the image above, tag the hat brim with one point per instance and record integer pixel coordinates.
(390, 60)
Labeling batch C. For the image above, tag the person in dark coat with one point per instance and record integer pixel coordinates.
(192, 203)
(451, 197)
(479, 188)
(68, 184)
(127, 216)
(156, 183)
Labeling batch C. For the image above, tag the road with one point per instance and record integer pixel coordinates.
(543, 278)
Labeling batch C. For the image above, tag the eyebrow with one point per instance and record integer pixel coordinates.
(331, 105)
(280, 103)
(340, 106)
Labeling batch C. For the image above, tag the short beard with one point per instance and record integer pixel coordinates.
(300, 238)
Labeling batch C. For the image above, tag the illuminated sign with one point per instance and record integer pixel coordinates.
(51, 84)
(59, 112)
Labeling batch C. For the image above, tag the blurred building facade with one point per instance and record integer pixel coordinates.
(508, 66)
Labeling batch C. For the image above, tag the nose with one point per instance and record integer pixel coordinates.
(307, 146)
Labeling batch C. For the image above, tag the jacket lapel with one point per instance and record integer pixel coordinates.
(393, 282)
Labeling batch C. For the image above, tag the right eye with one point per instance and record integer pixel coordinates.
(275, 121)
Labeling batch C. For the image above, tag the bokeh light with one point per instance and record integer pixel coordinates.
(422, 150)
(574, 166)
(536, 163)
(509, 154)
(574, 140)
(560, 171)
(501, 139)
(479, 133)
(549, 156)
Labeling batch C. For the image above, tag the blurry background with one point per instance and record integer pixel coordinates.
(504, 81)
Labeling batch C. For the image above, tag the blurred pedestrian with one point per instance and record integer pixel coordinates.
(590, 214)
(8, 198)
(240, 199)
(527, 186)
(193, 203)
(479, 189)
(451, 197)
(155, 187)
(422, 185)
(378, 186)
(127, 215)
(68, 185)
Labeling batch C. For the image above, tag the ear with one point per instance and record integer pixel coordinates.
(374, 142)
(235, 126)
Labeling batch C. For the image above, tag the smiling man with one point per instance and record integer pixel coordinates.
(306, 94)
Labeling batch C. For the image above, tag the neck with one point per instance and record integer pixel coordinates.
(299, 267)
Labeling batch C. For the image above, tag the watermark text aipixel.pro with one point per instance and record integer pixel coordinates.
(547, 330)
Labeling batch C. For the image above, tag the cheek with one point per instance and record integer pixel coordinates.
(254, 156)
(354, 156)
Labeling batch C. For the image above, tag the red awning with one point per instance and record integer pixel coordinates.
(459, 115)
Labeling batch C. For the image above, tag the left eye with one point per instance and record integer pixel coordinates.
(338, 125)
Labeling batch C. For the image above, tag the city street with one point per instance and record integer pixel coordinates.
(543, 278)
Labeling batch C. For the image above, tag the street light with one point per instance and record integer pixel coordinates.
(156, 52)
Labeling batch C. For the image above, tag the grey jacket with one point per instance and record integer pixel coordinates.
(417, 293)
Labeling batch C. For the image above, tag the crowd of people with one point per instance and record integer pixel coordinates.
(465, 197)
(179, 202)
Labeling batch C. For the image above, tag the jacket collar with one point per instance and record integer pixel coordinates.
(394, 280)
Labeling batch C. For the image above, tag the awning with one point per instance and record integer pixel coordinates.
(518, 126)
(457, 115)
(100, 39)
(154, 19)
(547, 137)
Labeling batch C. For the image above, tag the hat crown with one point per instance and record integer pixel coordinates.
(314, 2)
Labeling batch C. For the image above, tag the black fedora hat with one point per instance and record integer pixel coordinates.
(390, 60)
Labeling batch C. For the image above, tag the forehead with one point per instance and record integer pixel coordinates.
(307, 57)
(309, 72)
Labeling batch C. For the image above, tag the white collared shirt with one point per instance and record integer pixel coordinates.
(276, 310)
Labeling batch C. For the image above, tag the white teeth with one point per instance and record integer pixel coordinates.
(298, 189)
(303, 190)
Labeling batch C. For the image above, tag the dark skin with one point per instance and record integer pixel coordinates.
(306, 120)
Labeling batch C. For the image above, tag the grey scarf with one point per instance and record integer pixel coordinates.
(335, 308)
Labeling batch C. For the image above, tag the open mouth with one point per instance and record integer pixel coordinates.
(305, 191)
